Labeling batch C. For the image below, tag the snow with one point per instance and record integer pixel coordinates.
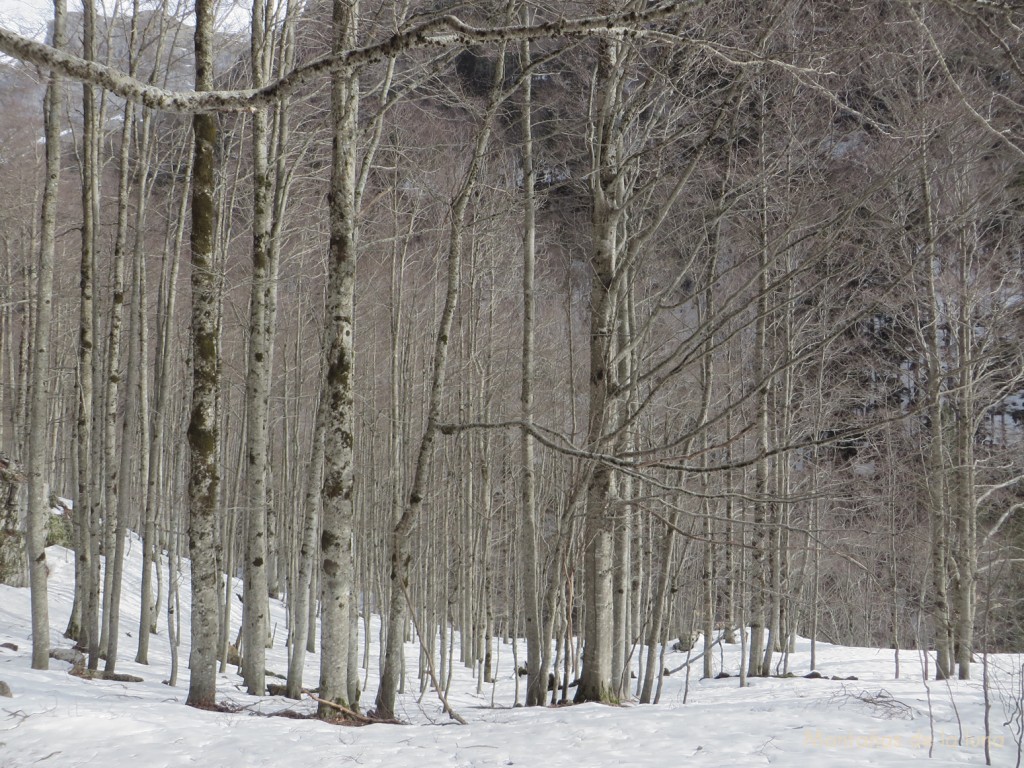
(60, 720)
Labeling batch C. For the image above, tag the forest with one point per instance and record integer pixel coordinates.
(604, 325)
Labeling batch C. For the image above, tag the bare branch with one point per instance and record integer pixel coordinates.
(444, 31)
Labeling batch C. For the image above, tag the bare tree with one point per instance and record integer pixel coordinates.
(38, 435)
(203, 432)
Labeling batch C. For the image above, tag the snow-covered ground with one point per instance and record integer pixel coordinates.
(55, 719)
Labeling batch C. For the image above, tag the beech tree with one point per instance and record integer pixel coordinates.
(38, 433)
(203, 432)
(767, 291)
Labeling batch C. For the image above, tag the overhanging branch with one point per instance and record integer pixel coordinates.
(444, 31)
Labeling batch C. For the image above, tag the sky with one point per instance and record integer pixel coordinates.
(61, 720)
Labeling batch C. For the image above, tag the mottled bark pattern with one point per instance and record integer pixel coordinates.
(442, 31)
(39, 405)
(336, 565)
(257, 384)
(607, 198)
(203, 434)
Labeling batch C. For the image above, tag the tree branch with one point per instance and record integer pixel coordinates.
(444, 31)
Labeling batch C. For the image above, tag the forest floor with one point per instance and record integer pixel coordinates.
(58, 719)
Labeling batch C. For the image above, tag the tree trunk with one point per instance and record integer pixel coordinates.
(937, 492)
(38, 432)
(400, 544)
(13, 571)
(86, 623)
(203, 431)
(129, 433)
(607, 193)
(964, 471)
(257, 384)
(536, 673)
(111, 457)
(336, 555)
(299, 596)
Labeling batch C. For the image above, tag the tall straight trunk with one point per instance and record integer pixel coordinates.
(173, 605)
(38, 504)
(400, 544)
(95, 478)
(227, 553)
(536, 673)
(729, 535)
(814, 520)
(935, 471)
(167, 300)
(147, 610)
(782, 416)
(596, 683)
(129, 433)
(708, 569)
(607, 199)
(13, 562)
(282, 177)
(762, 538)
(111, 460)
(257, 383)
(151, 424)
(336, 555)
(708, 587)
(87, 621)
(711, 552)
(623, 515)
(964, 472)
(299, 597)
(658, 611)
(22, 384)
(936, 499)
(203, 432)
(550, 612)
(396, 436)
(134, 427)
(147, 617)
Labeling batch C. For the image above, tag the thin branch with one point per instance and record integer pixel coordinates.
(444, 31)
(999, 523)
(346, 711)
(430, 664)
(986, 124)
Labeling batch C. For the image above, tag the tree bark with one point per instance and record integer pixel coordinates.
(203, 430)
(607, 200)
(299, 596)
(938, 492)
(400, 545)
(336, 554)
(536, 673)
(13, 570)
(86, 623)
(257, 384)
(39, 404)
